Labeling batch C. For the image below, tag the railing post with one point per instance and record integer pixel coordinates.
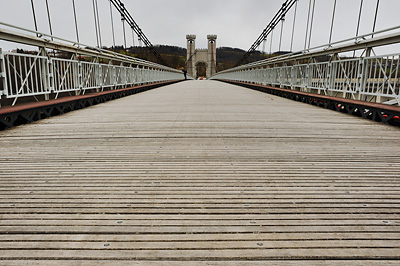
(45, 73)
(3, 76)
(114, 76)
(80, 76)
(361, 78)
(292, 80)
(332, 74)
(329, 76)
(307, 77)
(50, 70)
(99, 76)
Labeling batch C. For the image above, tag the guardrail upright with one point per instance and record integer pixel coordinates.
(3, 81)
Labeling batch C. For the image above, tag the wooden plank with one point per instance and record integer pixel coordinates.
(203, 217)
(202, 222)
(222, 236)
(79, 229)
(200, 263)
(215, 245)
(211, 254)
(200, 173)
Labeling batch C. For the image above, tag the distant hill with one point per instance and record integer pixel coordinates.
(227, 57)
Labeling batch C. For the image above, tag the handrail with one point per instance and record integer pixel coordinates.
(360, 42)
(68, 45)
(43, 76)
(368, 78)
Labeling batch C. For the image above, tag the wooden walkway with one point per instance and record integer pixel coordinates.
(200, 173)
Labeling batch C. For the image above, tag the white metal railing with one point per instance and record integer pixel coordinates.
(371, 78)
(368, 78)
(44, 73)
(31, 75)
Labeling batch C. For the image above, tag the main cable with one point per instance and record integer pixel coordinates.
(141, 36)
(286, 6)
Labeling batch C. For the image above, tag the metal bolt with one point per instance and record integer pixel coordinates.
(106, 244)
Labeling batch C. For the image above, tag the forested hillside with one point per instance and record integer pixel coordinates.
(227, 57)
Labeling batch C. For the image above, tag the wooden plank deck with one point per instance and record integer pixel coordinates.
(200, 173)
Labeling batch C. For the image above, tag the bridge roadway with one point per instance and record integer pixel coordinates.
(200, 173)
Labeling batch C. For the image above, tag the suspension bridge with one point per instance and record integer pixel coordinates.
(110, 159)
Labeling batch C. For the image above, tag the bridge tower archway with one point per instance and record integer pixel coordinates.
(198, 57)
(201, 69)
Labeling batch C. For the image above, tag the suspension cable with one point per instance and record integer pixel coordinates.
(95, 24)
(34, 16)
(141, 36)
(48, 16)
(308, 22)
(358, 23)
(311, 24)
(376, 16)
(333, 19)
(294, 22)
(359, 17)
(76, 21)
(270, 45)
(275, 20)
(280, 39)
(112, 23)
(98, 22)
(263, 50)
(133, 38)
(123, 30)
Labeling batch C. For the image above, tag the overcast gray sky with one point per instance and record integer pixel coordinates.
(236, 22)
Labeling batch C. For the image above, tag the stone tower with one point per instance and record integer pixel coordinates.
(191, 50)
(212, 55)
(207, 56)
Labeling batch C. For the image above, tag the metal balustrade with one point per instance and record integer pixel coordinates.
(374, 79)
(47, 72)
(368, 78)
(24, 75)
(32, 75)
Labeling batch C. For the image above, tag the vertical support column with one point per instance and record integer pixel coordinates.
(113, 77)
(307, 81)
(3, 77)
(80, 76)
(295, 70)
(191, 50)
(212, 55)
(361, 80)
(45, 73)
(333, 72)
(330, 83)
(99, 76)
(378, 98)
